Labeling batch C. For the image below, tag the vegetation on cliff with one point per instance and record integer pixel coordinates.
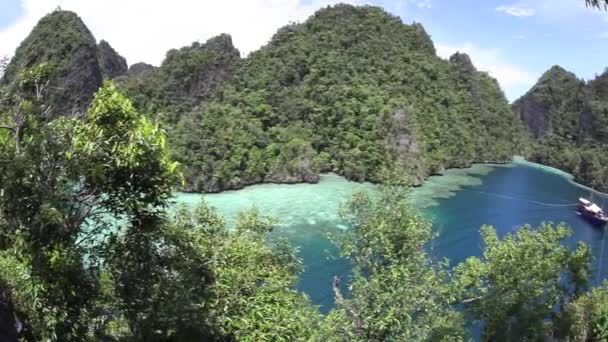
(75, 64)
(112, 64)
(63, 42)
(568, 119)
(351, 90)
(70, 273)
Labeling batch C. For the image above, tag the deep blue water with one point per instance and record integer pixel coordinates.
(457, 221)
(309, 212)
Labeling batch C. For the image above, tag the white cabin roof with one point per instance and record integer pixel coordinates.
(594, 208)
(590, 206)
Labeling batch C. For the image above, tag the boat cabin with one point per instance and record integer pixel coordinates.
(591, 211)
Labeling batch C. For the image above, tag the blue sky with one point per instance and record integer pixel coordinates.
(516, 41)
(520, 38)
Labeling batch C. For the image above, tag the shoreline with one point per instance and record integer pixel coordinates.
(420, 181)
(417, 182)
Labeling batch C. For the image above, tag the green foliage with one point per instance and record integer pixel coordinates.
(60, 181)
(3, 64)
(88, 251)
(125, 155)
(569, 119)
(195, 279)
(59, 34)
(61, 40)
(186, 77)
(522, 280)
(323, 85)
(396, 293)
(586, 318)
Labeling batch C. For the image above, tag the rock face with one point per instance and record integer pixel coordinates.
(555, 105)
(63, 41)
(318, 97)
(494, 115)
(138, 69)
(466, 71)
(112, 64)
(186, 78)
(567, 119)
(402, 143)
(193, 73)
(534, 115)
(352, 89)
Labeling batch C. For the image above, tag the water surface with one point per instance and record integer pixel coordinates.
(458, 203)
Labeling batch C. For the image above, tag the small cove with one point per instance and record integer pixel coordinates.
(458, 203)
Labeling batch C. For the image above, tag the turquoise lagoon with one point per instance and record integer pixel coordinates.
(458, 203)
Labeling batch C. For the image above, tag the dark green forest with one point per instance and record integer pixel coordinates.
(568, 118)
(91, 152)
(351, 90)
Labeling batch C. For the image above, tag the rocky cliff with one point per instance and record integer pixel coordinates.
(61, 40)
(554, 106)
(186, 78)
(352, 90)
(112, 64)
(139, 68)
(357, 91)
(568, 118)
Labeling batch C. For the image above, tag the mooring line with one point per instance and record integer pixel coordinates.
(506, 197)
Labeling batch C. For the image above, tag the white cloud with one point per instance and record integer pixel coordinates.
(513, 79)
(517, 10)
(570, 12)
(424, 4)
(144, 30)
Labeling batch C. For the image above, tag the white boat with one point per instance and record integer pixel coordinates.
(591, 212)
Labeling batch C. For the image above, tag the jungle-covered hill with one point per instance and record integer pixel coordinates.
(352, 90)
(568, 118)
(75, 63)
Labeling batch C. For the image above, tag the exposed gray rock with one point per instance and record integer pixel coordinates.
(62, 41)
(112, 64)
(401, 142)
(555, 105)
(466, 71)
(533, 114)
(140, 68)
(211, 64)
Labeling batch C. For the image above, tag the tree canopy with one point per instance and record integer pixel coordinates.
(351, 90)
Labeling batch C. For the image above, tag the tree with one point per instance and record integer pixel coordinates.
(3, 64)
(597, 3)
(521, 281)
(194, 279)
(318, 98)
(62, 180)
(586, 317)
(396, 293)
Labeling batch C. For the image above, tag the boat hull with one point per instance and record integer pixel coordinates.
(597, 221)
